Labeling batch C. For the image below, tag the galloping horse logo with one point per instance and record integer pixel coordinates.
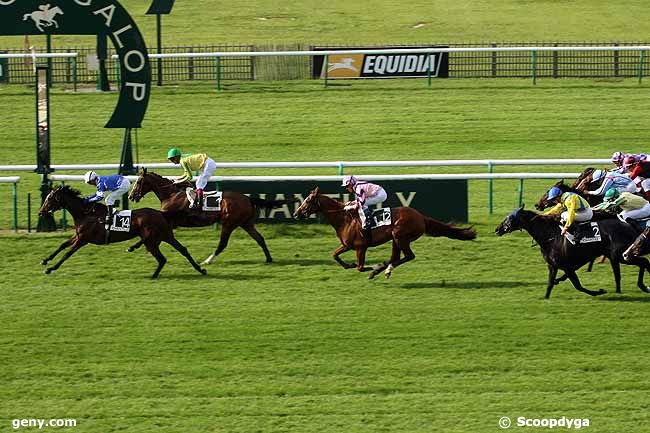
(44, 16)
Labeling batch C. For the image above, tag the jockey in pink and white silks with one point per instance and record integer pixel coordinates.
(366, 195)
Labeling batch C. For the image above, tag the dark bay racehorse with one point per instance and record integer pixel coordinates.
(149, 224)
(237, 210)
(559, 253)
(408, 225)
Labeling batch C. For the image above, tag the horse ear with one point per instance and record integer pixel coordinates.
(523, 205)
(144, 170)
(316, 191)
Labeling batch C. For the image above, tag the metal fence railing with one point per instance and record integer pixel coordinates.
(486, 64)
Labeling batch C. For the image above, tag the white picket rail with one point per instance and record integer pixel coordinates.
(14, 180)
(340, 165)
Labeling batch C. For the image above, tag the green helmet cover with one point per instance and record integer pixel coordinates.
(173, 152)
(611, 193)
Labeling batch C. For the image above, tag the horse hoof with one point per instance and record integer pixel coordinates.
(601, 292)
(372, 275)
(203, 272)
(43, 262)
(269, 260)
(645, 289)
(47, 271)
(129, 250)
(388, 276)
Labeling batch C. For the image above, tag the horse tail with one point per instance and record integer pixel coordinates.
(270, 204)
(437, 228)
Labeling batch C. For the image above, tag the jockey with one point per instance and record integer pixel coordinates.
(617, 160)
(621, 182)
(570, 206)
(633, 206)
(190, 163)
(366, 195)
(116, 185)
(629, 162)
(641, 175)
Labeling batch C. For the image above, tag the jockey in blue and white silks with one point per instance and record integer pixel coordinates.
(115, 185)
(622, 182)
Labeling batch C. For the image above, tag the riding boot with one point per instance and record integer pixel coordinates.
(107, 222)
(198, 201)
(367, 224)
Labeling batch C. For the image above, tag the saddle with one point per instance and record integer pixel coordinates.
(584, 233)
(380, 218)
(638, 224)
(211, 199)
(121, 221)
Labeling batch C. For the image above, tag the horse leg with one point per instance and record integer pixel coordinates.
(154, 250)
(181, 249)
(591, 266)
(394, 257)
(616, 269)
(76, 244)
(552, 273)
(340, 250)
(62, 247)
(135, 246)
(252, 232)
(564, 277)
(643, 265)
(408, 256)
(576, 283)
(361, 260)
(226, 231)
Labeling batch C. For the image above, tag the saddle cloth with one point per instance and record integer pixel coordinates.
(121, 221)
(380, 218)
(587, 232)
(639, 224)
(211, 199)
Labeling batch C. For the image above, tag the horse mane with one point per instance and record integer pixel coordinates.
(339, 203)
(71, 191)
(158, 176)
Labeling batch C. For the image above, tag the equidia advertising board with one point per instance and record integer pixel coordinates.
(377, 65)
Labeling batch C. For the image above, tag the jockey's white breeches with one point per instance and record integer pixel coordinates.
(637, 213)
(580, 217)
(115, 195)
(208, 170)
(378, 198)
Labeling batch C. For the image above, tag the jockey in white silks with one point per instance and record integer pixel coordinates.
(366, 195)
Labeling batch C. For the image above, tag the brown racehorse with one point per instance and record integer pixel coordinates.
(408, 225)
(237, 210)
(151, 225)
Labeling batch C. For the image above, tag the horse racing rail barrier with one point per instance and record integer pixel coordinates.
(534, 53)
(341, 167)
(14, 181)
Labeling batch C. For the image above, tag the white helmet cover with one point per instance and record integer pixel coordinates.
(89, 176)
(349, 180)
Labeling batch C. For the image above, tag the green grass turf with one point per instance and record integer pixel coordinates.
(455, 340)
(342, 22)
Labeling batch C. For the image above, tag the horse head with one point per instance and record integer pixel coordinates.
(634, 250)
(543, 202)
(309, 206)
(141, 186)
(512, 222)
(53, 202)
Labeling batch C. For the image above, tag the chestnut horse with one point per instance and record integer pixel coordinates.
(151, 225)
(408, 225)
(237, 210)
